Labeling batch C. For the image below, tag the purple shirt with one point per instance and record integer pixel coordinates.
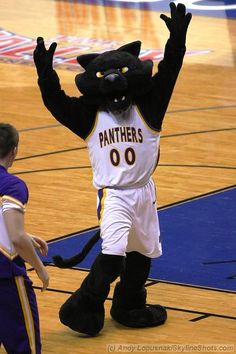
(12, 186)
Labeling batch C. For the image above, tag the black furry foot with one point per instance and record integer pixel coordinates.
(148, 316)
(130, 309)
(82, 315)
(84, 310)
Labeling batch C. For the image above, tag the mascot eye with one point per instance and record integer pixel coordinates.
(124, 69)
(100, 74)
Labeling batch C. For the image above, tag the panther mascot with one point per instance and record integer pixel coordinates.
(121, 107)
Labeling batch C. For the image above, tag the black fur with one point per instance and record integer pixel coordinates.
(114, 75)
(76, 259)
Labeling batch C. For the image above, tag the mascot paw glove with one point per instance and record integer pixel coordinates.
(43, 58)
(178, 23)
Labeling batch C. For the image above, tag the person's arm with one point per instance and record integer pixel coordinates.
(14, 221)
(40, 244)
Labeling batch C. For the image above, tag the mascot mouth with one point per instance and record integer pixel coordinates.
(118, 103)
(120, 99)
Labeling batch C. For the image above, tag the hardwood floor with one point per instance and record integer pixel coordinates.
(198, 154)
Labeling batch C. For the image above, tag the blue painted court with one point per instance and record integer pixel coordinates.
(198, 237)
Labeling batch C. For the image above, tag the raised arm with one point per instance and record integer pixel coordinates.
(69, 111)
(178, 23)
(175, 48)
(168, 68)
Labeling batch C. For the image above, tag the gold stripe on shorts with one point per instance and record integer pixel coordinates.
(29, 322)
(102, 204)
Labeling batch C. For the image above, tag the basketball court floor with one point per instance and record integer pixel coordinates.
(195, 279)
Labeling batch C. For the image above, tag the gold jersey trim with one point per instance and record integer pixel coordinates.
(157, 132)
(13, 200)
(7, 254)
(94, 127)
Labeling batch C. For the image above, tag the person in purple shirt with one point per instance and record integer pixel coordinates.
(19, 319)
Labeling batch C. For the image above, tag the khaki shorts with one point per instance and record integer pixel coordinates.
(129, 221)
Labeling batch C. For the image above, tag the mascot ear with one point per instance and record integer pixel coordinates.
(85, 59)
(132, 48)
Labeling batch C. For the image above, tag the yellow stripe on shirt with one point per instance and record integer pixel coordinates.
(6, 253)
(13, 200)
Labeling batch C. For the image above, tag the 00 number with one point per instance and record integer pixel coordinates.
(129, 156)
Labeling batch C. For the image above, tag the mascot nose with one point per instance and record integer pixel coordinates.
(111, 77)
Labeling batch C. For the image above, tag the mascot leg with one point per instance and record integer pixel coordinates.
(84, 310)
(129, 300)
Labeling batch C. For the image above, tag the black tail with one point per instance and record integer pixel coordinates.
(71, 262)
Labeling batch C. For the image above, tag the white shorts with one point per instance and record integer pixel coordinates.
(129, 221)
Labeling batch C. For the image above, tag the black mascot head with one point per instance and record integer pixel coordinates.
(115, 77)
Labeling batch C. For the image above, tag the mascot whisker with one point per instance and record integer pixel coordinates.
(119, 115)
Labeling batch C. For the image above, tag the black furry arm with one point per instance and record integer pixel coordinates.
(154, 105)
(71, 112)
(168, 69)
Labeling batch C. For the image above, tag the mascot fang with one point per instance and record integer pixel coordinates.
(119, 115)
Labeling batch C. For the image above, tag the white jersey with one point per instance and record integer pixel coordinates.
(123, 151)
(6, 245)
(13, 195)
